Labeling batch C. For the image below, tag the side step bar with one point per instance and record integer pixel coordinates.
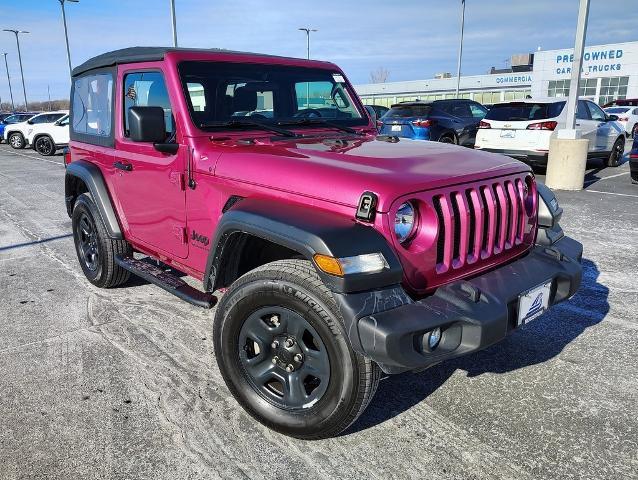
(166, 280)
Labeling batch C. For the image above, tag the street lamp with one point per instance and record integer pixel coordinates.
(307, 30)
(174, 22)
(13, 107)
(458, 64)
(24, 90)
(66, 33)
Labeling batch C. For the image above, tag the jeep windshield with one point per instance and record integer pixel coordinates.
(223, 95)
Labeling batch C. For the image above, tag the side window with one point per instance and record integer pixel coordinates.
(635, 111)
(478, 111)
(39, 119)
(582, 112)
(92, 104)
(596, 112)
(460, 109)
(147, 89)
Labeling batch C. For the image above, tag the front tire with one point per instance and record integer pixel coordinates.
(283, 351)
(44, 146)
(16, 140)
(617, 152)
(96, 251)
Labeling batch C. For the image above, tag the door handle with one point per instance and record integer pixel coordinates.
(127, 167)
(578, 124)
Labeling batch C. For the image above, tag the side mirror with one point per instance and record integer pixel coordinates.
(612, 118)
(147, 124)
(30, 122)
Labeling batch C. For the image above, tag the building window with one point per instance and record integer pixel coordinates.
(558, 88)
(587, 87)
(613, 88)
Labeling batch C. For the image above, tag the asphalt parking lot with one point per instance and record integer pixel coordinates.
(122, 384)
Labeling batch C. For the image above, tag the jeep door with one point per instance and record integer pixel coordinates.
(149, 184)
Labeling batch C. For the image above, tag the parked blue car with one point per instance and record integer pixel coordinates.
(14, 118)
(633, 161)
(448, 121)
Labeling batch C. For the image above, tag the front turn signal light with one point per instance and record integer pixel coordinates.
(328, 264)
(368, 263)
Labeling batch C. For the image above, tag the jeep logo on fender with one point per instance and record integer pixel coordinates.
(367, 206)
(200, 238)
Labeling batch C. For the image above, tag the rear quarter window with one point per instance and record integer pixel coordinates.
(92, 104)
(524, 111)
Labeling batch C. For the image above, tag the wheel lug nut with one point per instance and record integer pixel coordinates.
(299, 357)
(289, 342)
(275, 344)
(275, 359)
(290, 368)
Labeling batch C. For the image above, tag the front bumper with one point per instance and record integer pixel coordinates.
(472, 314)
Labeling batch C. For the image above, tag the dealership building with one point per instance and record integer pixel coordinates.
(609, 72)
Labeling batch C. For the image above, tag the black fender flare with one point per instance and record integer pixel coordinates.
(92, 177)
(307, 231)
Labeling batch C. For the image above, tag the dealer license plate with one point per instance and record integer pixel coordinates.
(508, 133)
(533, 303)
(396, 128)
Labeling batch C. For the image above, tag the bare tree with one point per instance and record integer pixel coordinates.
(380, 75)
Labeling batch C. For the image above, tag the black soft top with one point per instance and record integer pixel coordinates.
(145, 54)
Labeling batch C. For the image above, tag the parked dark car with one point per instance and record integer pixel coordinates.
(633, 161)
(622, 102)
(448, 121)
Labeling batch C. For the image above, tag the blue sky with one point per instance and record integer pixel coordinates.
(412, 39)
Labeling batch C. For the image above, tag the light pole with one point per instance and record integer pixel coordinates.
(24, 89)
(66, 33)
(458, 63)
(174, 22)
(307, 30)
(13, 107)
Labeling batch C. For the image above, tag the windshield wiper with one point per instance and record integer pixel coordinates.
(237, 123)
(317, 121)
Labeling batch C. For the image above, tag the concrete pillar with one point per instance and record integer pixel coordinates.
(566, 164)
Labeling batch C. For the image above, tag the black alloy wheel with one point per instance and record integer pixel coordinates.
(617, 152)
(87, 242)
(44, 146)
(284, 358)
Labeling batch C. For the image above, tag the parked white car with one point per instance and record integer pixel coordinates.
(522, 129)
(46, 138)
(627, 117)
(16, 134)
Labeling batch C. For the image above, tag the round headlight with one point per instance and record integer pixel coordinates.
(404, 222)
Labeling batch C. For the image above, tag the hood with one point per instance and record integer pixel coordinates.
(341, 169)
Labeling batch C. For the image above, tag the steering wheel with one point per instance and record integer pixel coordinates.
(308, 113)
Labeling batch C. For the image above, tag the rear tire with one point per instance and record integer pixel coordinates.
(448, 138)
(16, 140)
(96, 251)
(44, 146)
(617, 152)
(260, 321)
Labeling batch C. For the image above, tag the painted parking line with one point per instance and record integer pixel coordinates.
(34, 158)
(613, 193)
(613, 176)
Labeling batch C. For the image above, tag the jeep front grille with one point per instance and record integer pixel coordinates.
(479, 222)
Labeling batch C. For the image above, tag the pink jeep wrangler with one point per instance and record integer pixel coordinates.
(340, 253)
